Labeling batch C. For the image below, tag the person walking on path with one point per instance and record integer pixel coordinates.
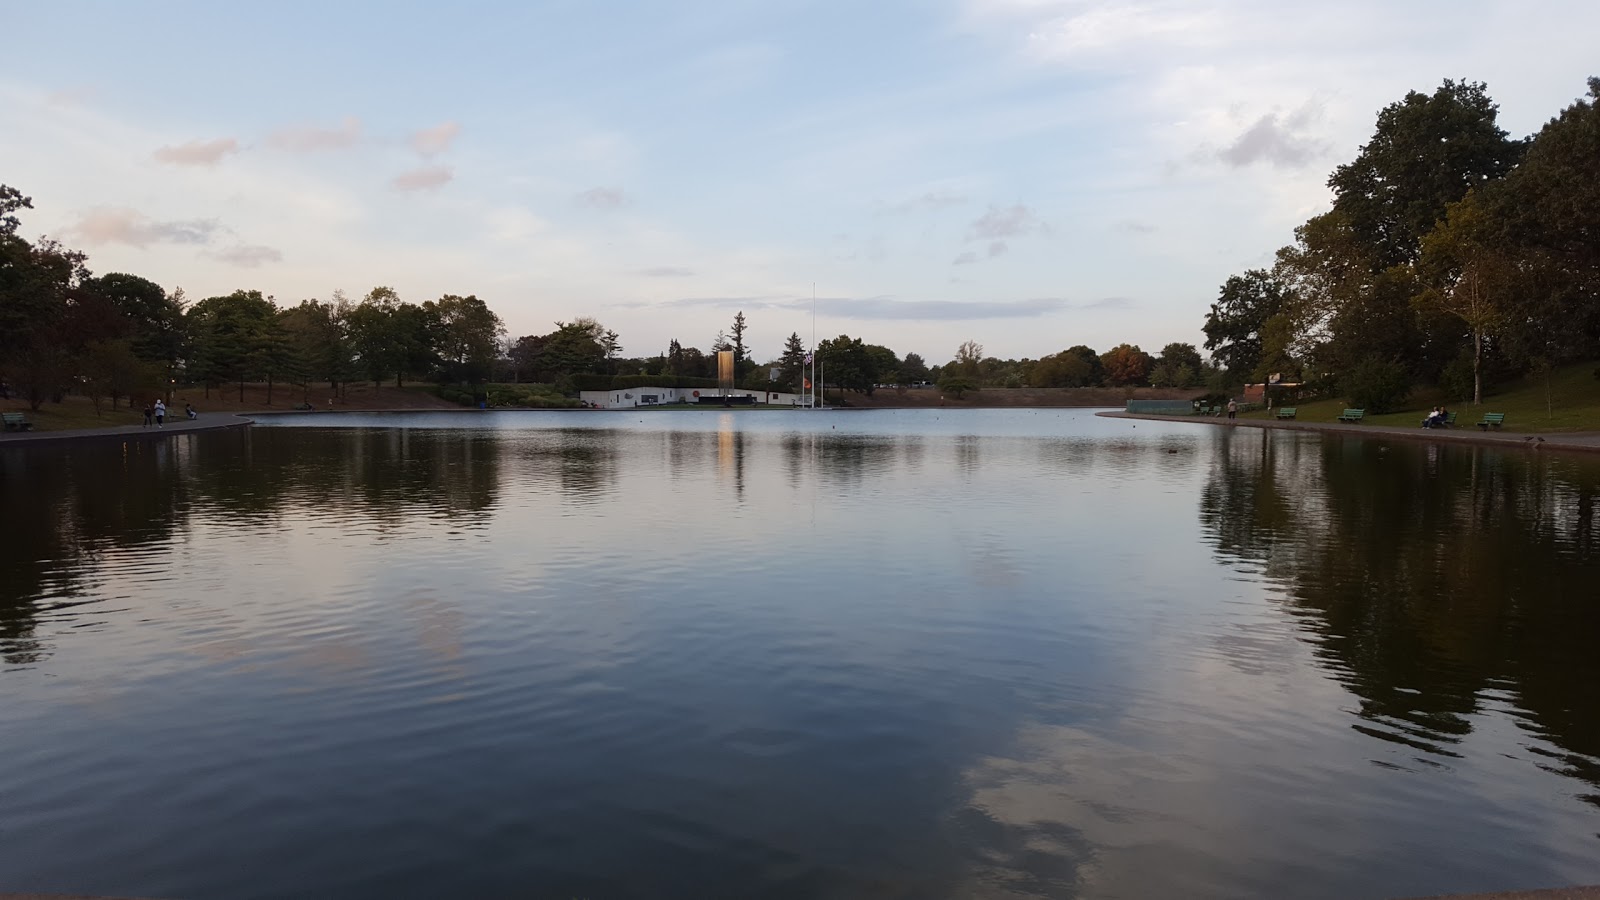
(149, 414)
(1233, 409)
(161, 414)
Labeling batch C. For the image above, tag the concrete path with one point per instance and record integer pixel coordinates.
(1577, 440)
(211, 422)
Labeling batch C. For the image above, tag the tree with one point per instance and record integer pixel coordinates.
(736, 344)
(1179, 366)
(1126, 364)
(793, 363)
(317, 334)
(1463, 275)
(153, 320)
(36, 286)
(913, 369)
(1426, 152)
(112, 369)
(884, 363)
(952, 383)
(847, 364)
(371, 329)
(1233, 326)
(468, 337)
(234, 337)
(968, 357)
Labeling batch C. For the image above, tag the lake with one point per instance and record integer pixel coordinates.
(894, 654)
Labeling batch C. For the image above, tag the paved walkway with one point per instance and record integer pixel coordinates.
(209, 422)
(1577, 440)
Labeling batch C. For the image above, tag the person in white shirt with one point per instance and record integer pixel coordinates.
(161, 413)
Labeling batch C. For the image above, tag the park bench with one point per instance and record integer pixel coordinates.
(14, 421)
(1286, 412)
(1353, 416)
(1449, 420)
(1492, 420)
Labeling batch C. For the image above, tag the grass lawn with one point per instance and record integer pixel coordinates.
(1574, 405)
(74, 412)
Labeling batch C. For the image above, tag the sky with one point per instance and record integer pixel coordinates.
(1029, 174)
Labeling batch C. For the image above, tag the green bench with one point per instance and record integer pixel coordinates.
(1492, 420)
(1449, 420)
(1286, 412)
(1353, 416)
(14, 421)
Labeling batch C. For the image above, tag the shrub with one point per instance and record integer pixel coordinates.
(1456, 379)
(956, 386)
(1375, 385)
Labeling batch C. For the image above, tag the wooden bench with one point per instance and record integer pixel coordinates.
(1449, 421)
(14, 421)
(1353, 416)
(1286, 412)
(1492, 420)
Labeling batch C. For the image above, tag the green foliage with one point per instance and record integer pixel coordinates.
(912, 369)
(1426, 153)
(1456, 379)
(624, 382)
(957, 385)
(1375, 384)
(1233, 326)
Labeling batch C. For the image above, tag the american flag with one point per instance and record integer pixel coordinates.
(808, 359)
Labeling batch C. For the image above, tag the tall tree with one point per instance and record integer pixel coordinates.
(793, 363)
(968, 358)
(1426, 152)
(1464, 274)
(469, 335)
(1233, 326)
(913, 369)
(736, 343)
(235, 336)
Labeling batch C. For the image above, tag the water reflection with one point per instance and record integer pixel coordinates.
(763, 655)
(1435, 582)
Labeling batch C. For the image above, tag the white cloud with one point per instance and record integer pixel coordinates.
(436, 140)
(422, 179)
(197, 153)
(313, 138)
(665, 272)
(121, 225)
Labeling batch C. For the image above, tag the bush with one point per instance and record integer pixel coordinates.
(956, 386)
(1375, 385)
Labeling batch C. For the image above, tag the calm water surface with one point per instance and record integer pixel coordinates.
(708, 654)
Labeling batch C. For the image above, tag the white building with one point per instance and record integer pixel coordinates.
(628, 398)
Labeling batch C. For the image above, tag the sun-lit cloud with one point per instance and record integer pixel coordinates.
(602, 198)
(246, 256)
(197, 153)
(315, 138)
(122, 225)
(436, 140)
(422, 179)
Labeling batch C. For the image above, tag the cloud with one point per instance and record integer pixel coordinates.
(664, 272)
(120, 225)
(436, 140)
(247, 256)
(311, 138)
(1008, 222)
(998, 248)
(1136, 227)
(1109, 303)
(425, 178)
(1277, 141)
(932, 201)
(965, 259)
(602, 198)
(889, 308)
(198, 153)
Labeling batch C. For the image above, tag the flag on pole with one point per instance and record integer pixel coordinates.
(808, 359)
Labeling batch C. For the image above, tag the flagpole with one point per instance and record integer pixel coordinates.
(813, 345)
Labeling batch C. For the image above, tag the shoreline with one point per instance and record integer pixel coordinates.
(211, 422)
(1576, 441)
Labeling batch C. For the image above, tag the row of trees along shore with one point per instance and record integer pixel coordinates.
(118, 336)
(1454, 256)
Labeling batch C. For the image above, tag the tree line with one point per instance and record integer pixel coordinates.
(121, 336)
(1454, 256)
